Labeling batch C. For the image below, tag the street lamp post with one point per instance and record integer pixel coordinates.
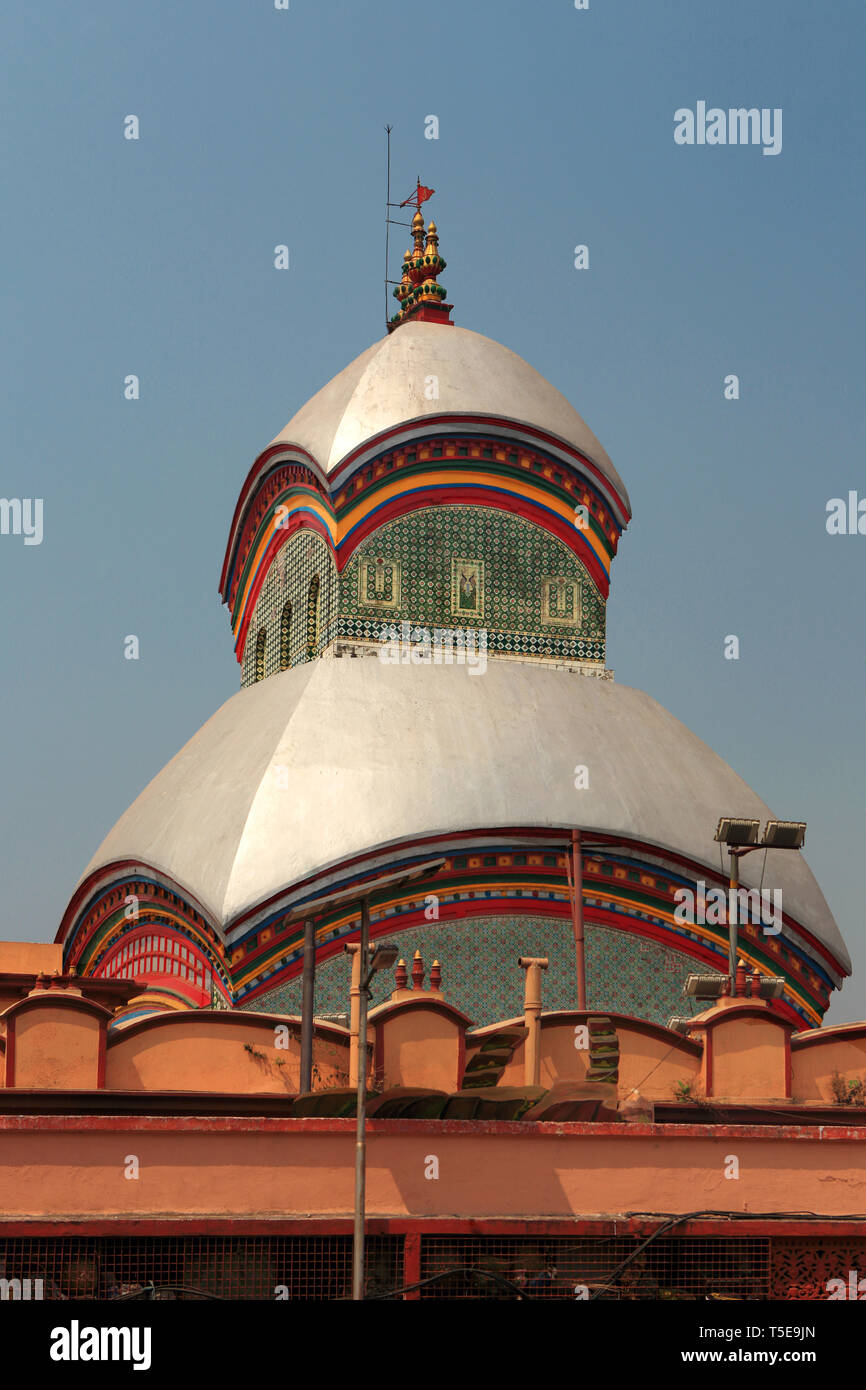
(733, 921)
(361, 1113)
(741, 837)
(382, 956)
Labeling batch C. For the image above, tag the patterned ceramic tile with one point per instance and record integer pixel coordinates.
(625, 973)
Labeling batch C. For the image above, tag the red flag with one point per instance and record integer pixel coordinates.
(420, 196)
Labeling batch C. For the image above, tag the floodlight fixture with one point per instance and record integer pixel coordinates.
(705, 986)
(772, 986)
(383, 956)
(784, 834)
(741, 837)
(736, 833)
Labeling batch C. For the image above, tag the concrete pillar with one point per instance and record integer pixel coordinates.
(533, 965)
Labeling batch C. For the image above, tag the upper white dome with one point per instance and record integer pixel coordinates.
(385, 387)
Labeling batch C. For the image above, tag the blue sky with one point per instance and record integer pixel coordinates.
(261, 127)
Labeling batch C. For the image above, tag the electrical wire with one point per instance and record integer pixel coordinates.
(151, 1290)
(669, 1222)
(674, 1220)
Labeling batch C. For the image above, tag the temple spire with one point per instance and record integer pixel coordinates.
(419, 293)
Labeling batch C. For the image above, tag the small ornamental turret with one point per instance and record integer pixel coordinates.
(404, 989)
(741, 979)
(419, 294)
(417, 971)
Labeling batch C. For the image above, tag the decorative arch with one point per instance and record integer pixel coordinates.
(529, 474)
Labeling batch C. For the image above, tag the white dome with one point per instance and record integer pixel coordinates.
(385, 387)
(337, 758)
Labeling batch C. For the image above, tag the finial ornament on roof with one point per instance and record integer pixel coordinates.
(419, 294)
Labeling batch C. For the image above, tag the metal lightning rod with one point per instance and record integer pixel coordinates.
(387, 216)
(389, 221)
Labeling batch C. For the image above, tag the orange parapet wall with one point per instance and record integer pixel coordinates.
(224, 1052)
(55, 1041)
(830, 1063)
(269, 1168)
(652, 1059)
(419, 1041)
(67, 1033)
(30, 957)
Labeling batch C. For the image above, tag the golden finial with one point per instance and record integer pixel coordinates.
(418, 233)
(419, 294)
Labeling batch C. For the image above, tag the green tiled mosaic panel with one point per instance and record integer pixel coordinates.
(517, 557)
(625, 973)
(288, 581)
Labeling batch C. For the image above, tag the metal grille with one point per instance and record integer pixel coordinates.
(169, 1267)
(584, 1266)
(803, 1267)
(453, 1266)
